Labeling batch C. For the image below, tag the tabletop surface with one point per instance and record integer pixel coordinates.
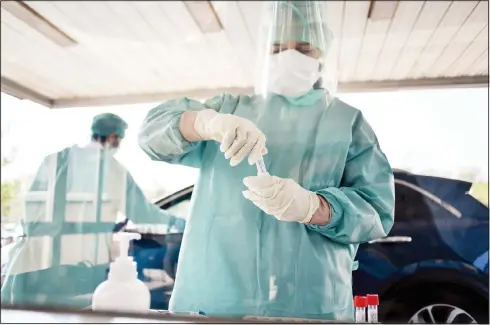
(19, 315)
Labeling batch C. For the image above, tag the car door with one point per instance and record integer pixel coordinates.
(414, 238)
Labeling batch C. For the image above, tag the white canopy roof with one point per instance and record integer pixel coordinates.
(83, 53)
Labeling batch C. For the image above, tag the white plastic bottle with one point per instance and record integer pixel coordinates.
(122, 291)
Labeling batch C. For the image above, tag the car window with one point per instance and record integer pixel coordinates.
(181, 209)
(410, 205)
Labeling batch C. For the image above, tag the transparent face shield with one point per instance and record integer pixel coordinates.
(296, 49)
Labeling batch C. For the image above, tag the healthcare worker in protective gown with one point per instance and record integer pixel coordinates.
(282, 243)
(71, 210)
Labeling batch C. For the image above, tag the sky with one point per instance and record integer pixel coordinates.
(427, 131)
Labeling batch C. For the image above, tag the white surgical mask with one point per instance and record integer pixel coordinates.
(112, 151)
(109, 149)
(292, 74)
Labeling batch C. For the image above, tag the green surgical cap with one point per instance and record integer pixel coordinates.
(301, 21)
(107, 123)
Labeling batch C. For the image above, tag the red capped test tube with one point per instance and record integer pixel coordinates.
(360, 304)
(372, 308)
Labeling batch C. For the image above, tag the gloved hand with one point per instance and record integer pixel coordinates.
(282, 198)
(238, 136)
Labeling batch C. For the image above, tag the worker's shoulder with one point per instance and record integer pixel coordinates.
(64, 151)
(214, 102)
(227, 102)
(53, 157)
(347, 110)
(227, 97)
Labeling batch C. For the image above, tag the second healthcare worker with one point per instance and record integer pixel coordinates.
(281, 244)
(71, 211)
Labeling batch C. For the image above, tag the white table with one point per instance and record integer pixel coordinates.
(16, 315)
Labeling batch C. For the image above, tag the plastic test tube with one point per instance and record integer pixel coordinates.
(360, 304)
(372, 308)
(261, 167)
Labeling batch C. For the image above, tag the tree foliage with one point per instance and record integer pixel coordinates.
(10, 190)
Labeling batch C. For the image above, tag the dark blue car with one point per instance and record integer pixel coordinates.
(432, 268)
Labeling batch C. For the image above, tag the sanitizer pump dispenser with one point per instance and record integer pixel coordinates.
(122, 291)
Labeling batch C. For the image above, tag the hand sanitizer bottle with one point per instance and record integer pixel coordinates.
(122, 291)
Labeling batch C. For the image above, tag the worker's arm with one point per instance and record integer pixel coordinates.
(168, 134)
(362, 209)
(140, 210)
(41, 180)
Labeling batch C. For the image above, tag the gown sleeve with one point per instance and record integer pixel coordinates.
(140, 210)
(363, 206)
(160, 137)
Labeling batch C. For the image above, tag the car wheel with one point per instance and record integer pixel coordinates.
(435, 305)
(439, 313)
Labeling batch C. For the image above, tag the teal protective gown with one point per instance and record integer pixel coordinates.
(235, 259)
(71, 210)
